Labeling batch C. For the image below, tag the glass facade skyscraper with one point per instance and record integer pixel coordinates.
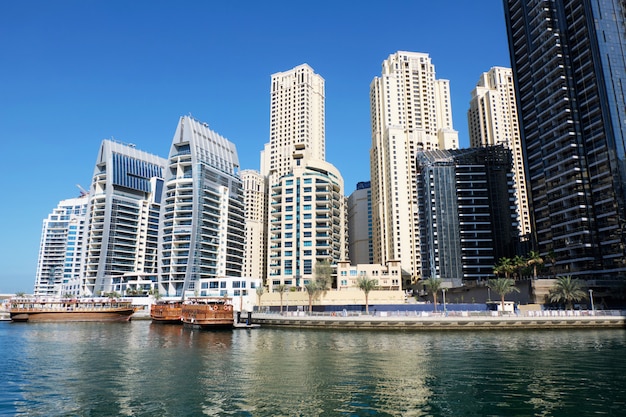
(468, 200)
(570, 74)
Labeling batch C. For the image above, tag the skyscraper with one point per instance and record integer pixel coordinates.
(570, 74)
(296, 119)
(60, 248)
(469, 222)
(307, 209)
(122, 218)
(202, 215)
(255, 208)
(492, 120)
(360, 224)
(308, 223)
(410, 111)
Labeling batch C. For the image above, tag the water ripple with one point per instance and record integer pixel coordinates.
(140, 369)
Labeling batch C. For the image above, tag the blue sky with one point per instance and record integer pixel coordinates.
(76, 72)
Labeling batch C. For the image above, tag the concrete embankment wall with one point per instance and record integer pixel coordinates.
(513, 322)
(331, 297)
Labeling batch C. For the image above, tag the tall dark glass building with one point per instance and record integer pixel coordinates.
(467, 201)
(570, 74)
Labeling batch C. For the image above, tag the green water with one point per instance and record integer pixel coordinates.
(141, 369)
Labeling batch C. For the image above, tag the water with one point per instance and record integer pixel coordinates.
(141, 369)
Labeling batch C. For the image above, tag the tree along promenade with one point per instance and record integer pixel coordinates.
(464, 320)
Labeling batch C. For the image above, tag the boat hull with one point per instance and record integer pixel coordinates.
(175, 320)
(65, 310)
(207, 314)
(213, 325)
(55, 316)
(166, 313)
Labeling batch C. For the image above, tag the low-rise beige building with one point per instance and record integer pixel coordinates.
(389, 276)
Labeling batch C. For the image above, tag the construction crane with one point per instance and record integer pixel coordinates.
(83, 192)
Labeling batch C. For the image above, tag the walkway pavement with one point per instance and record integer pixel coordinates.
(456, 321)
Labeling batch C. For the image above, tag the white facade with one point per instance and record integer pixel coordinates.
(492, 120)
(410, 111)
(122, 217)
(360, 225)
(255, 202)
(308, 223)
(202, 222)
(58, 264)
(241, 290)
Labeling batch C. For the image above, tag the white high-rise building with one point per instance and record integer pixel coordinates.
(202, 222)
(121, 236)
(410, 111)
(308, 223)
(255, 208)
(296, 120)
(307, 210)
(492, 120)
(60, 248)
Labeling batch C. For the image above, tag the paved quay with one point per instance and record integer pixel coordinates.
(439, 321)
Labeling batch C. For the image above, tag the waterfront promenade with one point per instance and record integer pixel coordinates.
(419, 321)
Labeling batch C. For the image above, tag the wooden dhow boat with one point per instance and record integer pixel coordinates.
(167, 311)
(65, 310)
(209, 313)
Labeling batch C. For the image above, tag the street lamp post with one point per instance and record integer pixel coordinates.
(443, 290)
(591, 298)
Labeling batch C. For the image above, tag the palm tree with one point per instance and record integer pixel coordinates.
(323, 274)
(518, 263)
(567, 290)
(259, 292)
(281, 290)
(502, 286)
(434, 285)
(534, 260)
(504, 266)
(312, 289)
(366, 284)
